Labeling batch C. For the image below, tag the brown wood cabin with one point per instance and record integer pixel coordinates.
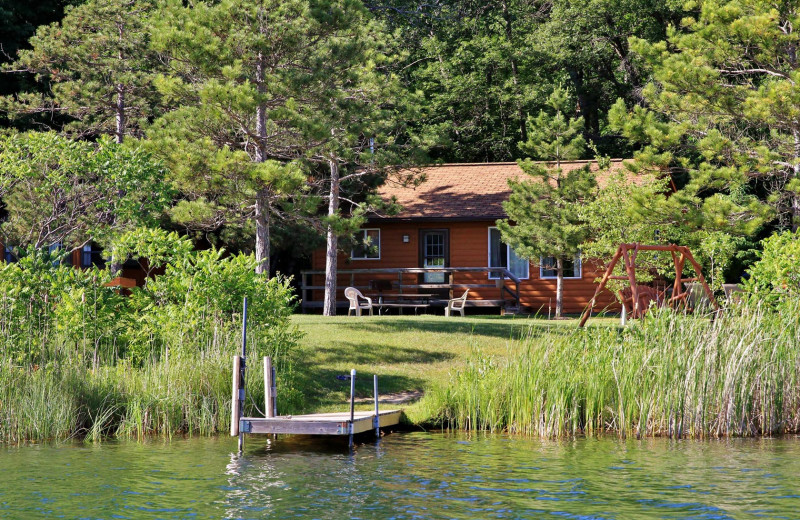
(444, 241)
(91, 254)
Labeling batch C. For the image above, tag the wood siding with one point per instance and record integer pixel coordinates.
(469, 247)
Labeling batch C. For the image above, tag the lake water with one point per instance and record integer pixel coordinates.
(405, 475)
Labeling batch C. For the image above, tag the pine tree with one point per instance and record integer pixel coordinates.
(244, 74)
(720, 116)
(98, 66)
(544, 217)
(361, 120)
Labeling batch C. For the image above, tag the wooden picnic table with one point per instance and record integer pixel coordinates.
(401, 301)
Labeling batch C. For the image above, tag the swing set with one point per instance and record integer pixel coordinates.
(637, 298)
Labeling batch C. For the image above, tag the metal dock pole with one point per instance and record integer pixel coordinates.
(377, 421)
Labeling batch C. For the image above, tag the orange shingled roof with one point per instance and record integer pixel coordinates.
(467, 191)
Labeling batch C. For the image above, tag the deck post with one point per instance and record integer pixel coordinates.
(269, 388)
(352, 401)
(451, 281)
(377, 421)
(304, 291)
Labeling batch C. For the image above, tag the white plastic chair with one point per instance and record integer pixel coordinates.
(353, 295)
(457, 305)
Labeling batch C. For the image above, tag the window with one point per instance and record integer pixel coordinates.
(501, 255)
(91, 254)
(572, 268)
(9, 255)
(58, 255)
(368, 245)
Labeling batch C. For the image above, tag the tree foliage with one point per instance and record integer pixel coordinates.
(98, 66)
(720, 116)
(58, 190)
(544, 213)
(246, 77)
(776, 271)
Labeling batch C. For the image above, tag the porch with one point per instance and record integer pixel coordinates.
(489, 286)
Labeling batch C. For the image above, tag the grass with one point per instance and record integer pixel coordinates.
(670, 375)
(182, 395)
(407, 352)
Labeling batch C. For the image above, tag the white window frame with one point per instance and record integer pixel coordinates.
(363, 232)
(578, 266)
(508, 256)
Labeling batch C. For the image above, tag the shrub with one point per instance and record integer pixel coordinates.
(777, 270)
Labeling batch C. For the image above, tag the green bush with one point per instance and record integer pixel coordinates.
(77, 358)
(44, 304)
(778, 270)
(200, 297)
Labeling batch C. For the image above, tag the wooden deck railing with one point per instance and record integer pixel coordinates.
(504, 279)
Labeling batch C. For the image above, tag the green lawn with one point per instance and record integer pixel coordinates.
(407, 352)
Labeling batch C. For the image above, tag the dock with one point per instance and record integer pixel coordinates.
(337, 423)
(340, 423)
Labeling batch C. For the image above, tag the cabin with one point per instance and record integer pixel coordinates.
(445, 241)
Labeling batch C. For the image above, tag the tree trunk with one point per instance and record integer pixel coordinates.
(120, 109)
(119, 136)
(329, 308)
(262, 231)
(587, 102)
(523, 130)
(263, 194)
(120, 105)
(559, 286)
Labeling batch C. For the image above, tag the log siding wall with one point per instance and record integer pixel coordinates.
(469, 247)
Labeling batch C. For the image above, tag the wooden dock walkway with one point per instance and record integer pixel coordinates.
(345, 423)
(338, 423)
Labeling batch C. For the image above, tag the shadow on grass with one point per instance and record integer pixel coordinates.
(507, 330)
(327, 390)
(363, 353)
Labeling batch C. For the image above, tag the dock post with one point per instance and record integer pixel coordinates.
(241, 373)
(377, 421)
(269, 388)
(352, 401)
(235, 397)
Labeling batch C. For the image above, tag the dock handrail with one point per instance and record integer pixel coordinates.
(502, 274)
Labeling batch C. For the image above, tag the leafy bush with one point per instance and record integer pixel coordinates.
(200, 297)
(777, 271)
(42, 300)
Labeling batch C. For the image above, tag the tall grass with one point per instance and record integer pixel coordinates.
(671, 375)
(77, 359)
(184, 395)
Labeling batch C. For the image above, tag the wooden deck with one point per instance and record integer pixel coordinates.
(404, 280)
(321, 423)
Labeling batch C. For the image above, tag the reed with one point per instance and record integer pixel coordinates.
(670, 375)
(182, 395)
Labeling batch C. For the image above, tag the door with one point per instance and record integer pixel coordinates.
(434, 252)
